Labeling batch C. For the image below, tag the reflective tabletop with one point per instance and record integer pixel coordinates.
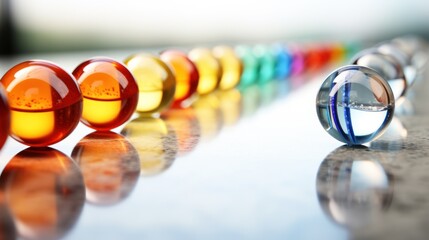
(253, 163)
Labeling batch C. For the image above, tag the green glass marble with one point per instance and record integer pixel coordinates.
(250, 66)
(267, 62)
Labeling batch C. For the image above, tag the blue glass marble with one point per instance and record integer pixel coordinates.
(283, 62)
(355, 104)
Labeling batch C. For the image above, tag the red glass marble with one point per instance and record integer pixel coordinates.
(4, 117)
(45, 102)
(186, 73)
(110, 93)
(315, 57)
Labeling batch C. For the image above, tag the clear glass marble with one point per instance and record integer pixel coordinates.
(387, 66)
(355, 104)
(404, 59)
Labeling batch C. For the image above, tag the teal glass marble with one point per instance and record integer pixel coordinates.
(387, 66)
(250, 66)
(355, 104)
(267, 62)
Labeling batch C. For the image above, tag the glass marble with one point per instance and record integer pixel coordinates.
(110, 167)
(110, 93)
(316, 56)
(231, 67)
(355, 104)
(44, 192)
(45, 102)
(297, 60)
(394, 51)
(387, 66)
(209, 69)
(415, 49)
(187, 76)
(4, 117)
(267, 62)
(338, 52)
(155, 142)
(250, 66)
(283, 62)
(155, 80)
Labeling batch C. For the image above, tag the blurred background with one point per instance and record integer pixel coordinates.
(78, 25)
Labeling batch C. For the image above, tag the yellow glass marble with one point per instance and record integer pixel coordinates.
(209, 69)
(155, 81)
(232, 67)
(155, 142)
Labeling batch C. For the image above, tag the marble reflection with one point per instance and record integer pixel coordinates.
(353, 188)
(208, 111)
(7, 226)
(251, 98)
(155, 142)
(404, 107)
(231, 106)
(186, 126)
(393, 139)
(110, 167)
(268, 93)
(282, 87)
(44, 193)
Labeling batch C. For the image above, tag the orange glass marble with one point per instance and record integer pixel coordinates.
(45, 102)
(110, 93)
(155, 81)
(4, 117)
(110, 167)
(186, 73)
(231, 67)
(209, 69)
